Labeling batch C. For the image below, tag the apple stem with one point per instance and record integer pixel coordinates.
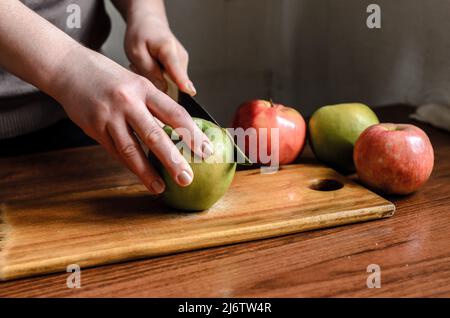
(271, 102)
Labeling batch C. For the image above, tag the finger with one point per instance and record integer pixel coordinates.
(160, 123)
(167, 110)
(107, 143)
(154, 73)
(175, 60)
(143, 64)
(128, 149)
(159, 143)
(104, 139)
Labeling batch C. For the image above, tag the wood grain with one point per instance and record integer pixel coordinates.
(412, 248)
(47, 233)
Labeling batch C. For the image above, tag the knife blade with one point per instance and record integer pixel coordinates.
(196, 110)
(193, 108)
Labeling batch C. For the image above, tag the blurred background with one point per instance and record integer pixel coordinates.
(309, 53)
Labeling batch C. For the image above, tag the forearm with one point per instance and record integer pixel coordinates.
(150, 7)
(31, 47)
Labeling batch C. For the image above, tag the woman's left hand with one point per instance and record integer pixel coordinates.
(152, 49)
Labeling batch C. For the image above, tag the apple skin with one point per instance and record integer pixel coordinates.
(212, 177)
(394, 158)
(333, 131)
(265, 114)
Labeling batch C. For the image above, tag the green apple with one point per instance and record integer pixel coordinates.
(334, 129)
(212, 176)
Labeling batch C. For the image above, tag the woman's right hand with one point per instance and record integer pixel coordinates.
(112, 104)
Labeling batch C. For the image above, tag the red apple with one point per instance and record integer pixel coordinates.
(265, 114)
(393, 158)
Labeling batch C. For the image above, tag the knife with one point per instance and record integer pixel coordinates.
(196, 110)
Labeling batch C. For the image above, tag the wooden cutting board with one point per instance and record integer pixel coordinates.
(76, 207)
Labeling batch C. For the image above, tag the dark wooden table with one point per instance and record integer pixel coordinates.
(412, 249)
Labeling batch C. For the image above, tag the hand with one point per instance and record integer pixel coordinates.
(152, 49)
(112, 104)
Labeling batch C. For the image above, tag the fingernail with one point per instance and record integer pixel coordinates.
(158, 186)
(160, 85)
(190, 86)
(207, 149)
(184, 178)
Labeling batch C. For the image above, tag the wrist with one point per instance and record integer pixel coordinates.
(137, 15)
(141, 9)
(68, 70)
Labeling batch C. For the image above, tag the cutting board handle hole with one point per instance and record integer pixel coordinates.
(326, 185)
